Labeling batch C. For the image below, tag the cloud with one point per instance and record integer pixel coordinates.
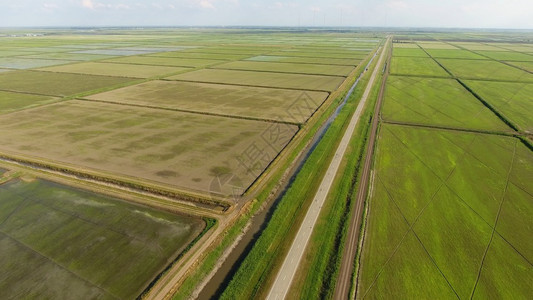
(87, 4)
(206, 4)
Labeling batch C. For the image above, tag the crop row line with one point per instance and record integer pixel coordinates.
(495, 221)
(24, 246)
(421, 212)
(490, 58)
(483, 101)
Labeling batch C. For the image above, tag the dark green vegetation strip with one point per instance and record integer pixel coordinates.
(512, 101)
(267, 251)
(328, 240)
(86, 245)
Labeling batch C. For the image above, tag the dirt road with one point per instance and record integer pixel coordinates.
(342, 289)
(292, 260)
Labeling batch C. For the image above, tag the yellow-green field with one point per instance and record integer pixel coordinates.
(221, 99)
(111, 69)
(450, 208)
(182, 150)
(263, 79)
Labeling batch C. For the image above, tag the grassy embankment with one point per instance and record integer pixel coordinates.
(235, 230)
(267, 254)
(317, 275)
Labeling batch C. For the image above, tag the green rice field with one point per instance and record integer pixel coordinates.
(15, 101)
(434, 225)
(59, 242)
(416, 66)
(514, 100)
(454, 53)
(485, 70)
(410, 52)
(438, 102)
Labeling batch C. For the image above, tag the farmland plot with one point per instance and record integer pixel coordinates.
(434, 206)
(436, 101)
(526, 65)
(241, 101)
(409, 52)
(178, 150)
(110, 69)
(513, 100)
(355, 55)
(507, 55)
(418, 66)
(436, 45)
(306, 60)
(29, 63)
(196, 55)
(476, 46)
(263, 79)
(57, 84)
(59, 242)
(458, 53)
(14, 101)
(287, 68)
(485, 70)
(164, 61)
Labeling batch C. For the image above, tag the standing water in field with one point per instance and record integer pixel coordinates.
(85, 245)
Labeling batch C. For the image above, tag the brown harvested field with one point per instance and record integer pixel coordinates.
(181, 150)
(110, 69)
(221, 99)
(263, 79)
(287, 68)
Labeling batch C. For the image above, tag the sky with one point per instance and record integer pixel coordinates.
(517, 14)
